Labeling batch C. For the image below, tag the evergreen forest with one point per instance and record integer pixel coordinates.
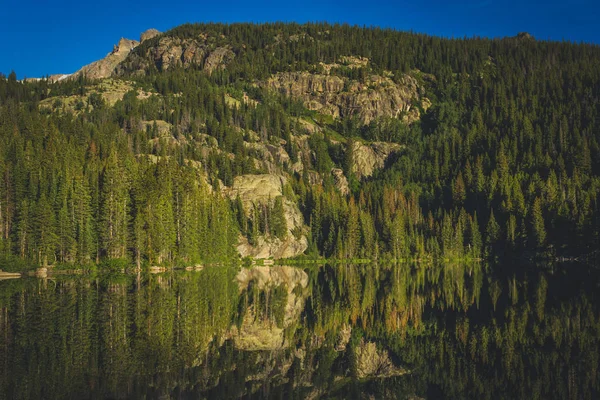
(496, 153)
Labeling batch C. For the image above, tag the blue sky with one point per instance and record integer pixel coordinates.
(43, 37)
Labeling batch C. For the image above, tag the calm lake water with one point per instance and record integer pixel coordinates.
(335, 331)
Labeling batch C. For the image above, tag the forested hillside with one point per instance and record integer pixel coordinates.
(210, 141)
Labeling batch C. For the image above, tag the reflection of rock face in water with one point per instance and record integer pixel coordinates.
(344, 337)
(417, 331)
(276, 276)
(372, 362)
(9, 275)
(263, 333)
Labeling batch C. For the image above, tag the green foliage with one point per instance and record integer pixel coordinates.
(538, 222)
(278, 222)
(470, 330)
(503, 137)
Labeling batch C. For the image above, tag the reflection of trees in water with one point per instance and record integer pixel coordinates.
(470, 334)
(110, 336)
(458, 329)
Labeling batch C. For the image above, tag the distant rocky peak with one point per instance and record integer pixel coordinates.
(149, 34)
(105, 67)
(524, 36)
(125, 46)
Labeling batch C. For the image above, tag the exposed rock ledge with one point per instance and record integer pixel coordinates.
(149, 34)
(377, 96)
(263, 189)
(368, 158)
(105, 67)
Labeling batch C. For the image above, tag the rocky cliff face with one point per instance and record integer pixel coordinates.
(271, 158)
(149, 34)
(368, 158)
(168, 52)
(340, 180)
(164, 53)
(105, 67)
(262, 189)
(217, 59)
(373, 97)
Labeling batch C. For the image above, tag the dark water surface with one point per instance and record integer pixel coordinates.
(335, 331)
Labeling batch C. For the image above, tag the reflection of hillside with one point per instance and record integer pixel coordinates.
(468, 332)
(387, 331)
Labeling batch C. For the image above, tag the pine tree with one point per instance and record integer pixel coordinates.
(476, 241)
(24, 229)
(539, 230)
(458, 191)
(242, 220)
(278, 222)
(398, 236)
(114, 213)
(352, 231)
(492, 230)
(84, 224)
(45, 227)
